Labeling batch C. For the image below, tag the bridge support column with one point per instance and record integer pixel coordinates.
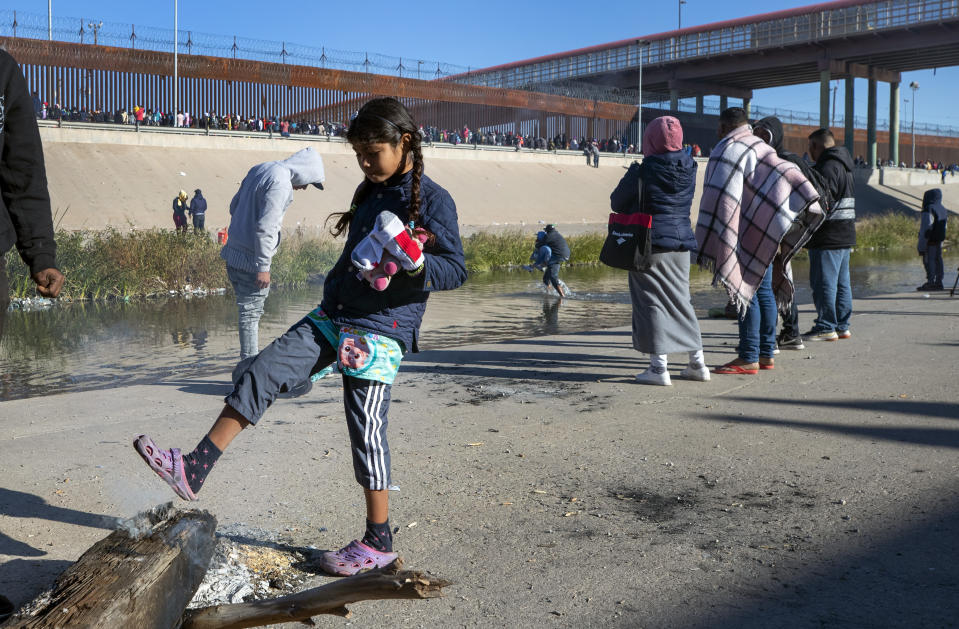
(894, 123)
(699, 104)
(871, 148)
(824, 78)
(747, 106)
(723, 103)
(849, 135)
(673, 100)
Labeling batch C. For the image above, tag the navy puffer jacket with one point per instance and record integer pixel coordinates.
(397, 311)
(669, 181)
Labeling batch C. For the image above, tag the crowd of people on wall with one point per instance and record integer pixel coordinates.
(922, 164)
(138, 115)
(496, 137)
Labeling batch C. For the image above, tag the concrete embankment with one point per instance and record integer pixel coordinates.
(555, 491)
(101, 176)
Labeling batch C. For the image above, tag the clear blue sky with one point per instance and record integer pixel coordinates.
(484, 34)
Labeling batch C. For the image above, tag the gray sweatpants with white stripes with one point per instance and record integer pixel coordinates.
(291, 359)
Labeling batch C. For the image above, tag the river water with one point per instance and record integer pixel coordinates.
(84, 346)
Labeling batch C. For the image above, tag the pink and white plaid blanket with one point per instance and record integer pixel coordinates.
(751, 200)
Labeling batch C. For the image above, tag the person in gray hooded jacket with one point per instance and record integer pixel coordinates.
(932, 231)
(256, 216)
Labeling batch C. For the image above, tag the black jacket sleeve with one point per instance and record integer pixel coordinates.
(25, 218)
(625, 198)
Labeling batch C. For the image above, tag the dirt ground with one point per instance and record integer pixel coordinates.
(554, 490)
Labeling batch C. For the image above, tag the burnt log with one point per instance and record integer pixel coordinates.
(390, 582)
(142, 575)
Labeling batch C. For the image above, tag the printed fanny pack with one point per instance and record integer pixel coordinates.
(360, 354)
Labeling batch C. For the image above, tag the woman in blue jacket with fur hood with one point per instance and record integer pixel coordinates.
(662, 185)
(365, 331)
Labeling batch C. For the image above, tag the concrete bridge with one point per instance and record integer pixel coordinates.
(846, 39)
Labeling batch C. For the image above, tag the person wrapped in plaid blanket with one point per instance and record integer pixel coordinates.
(752, 200)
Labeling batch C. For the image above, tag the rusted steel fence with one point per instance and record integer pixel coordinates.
(105, 78)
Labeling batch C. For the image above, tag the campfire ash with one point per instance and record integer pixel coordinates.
(243, 572)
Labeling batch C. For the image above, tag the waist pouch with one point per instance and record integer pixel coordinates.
(360, 354)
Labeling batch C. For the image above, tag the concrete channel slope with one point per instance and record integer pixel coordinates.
(104, 177)
(555, 491)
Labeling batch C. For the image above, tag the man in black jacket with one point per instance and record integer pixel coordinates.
(551, 251)
(25, 217)
(830, 246)
(770, 130)
(198, 210)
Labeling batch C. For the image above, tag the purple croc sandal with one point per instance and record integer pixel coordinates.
(168, 465)
(353, 558)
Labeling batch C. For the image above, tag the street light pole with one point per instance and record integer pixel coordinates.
(95, 27)
(50, 20)
(640, 45)
(680, 10)
(915, 88)
(176, 28)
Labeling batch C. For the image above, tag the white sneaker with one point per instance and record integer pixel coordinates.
(698, 373)
(650, 377)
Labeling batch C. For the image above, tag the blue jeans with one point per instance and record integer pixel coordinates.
(249, 303)
(757, 330)
(932, 260)
(831, 292)
(541, 256)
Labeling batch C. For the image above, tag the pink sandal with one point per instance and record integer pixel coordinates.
(168, 465)
(353, 558)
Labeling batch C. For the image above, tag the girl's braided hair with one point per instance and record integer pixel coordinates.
(383, 120)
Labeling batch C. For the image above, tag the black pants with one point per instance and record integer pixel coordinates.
(199, 220)
(4, 292)
(791, 322)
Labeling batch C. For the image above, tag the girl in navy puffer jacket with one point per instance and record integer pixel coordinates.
(662, 185)
(365, 331)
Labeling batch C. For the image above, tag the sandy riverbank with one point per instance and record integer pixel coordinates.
(555, 491)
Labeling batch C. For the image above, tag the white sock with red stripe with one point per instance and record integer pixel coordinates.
(369, 251)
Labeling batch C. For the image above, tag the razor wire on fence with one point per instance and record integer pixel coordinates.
(88, 30)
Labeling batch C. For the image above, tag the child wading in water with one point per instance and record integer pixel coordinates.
(365, 331)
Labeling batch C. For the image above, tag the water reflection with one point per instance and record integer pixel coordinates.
(86, 346)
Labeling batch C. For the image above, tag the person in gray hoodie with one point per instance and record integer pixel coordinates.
(256, 216)
(932, 231)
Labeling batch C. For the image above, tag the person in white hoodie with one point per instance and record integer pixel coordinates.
(256, 217)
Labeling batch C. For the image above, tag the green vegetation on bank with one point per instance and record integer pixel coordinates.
(486, 251)
(887, 231)
(110, 264)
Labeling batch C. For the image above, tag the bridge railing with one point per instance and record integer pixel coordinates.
(867, 17)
